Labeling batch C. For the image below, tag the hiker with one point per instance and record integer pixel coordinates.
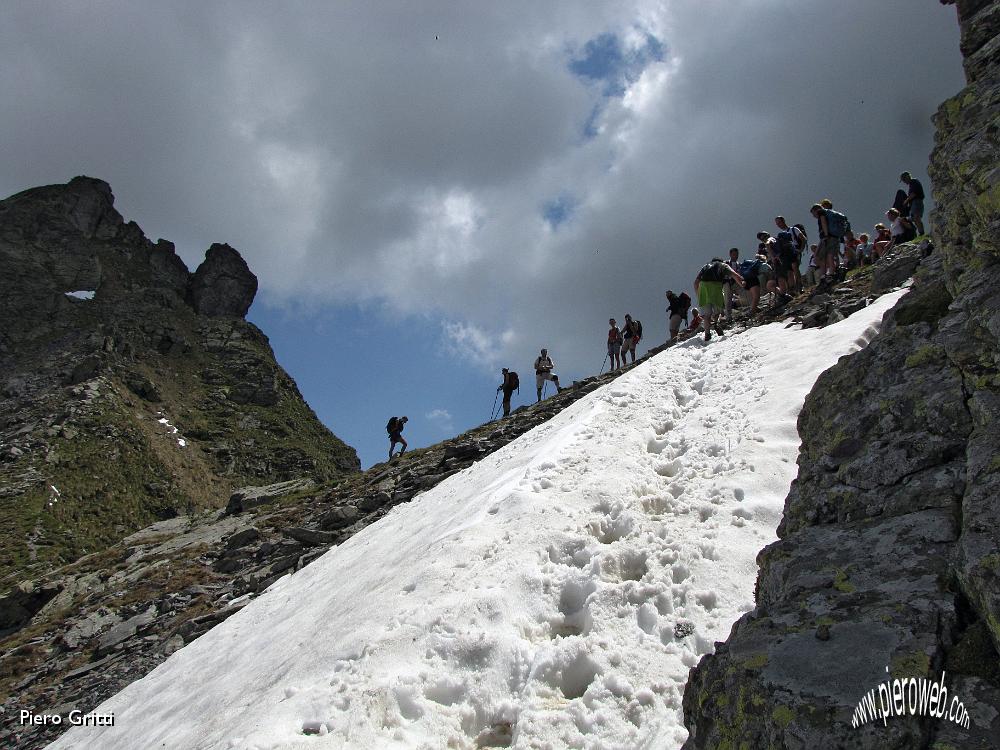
(864, 250)
(508, 386)
(543, 372)
(851, 252)
(901, 228)
(882, 239)
(614, 345)
(914, 200)
(708, 287)
(730, 288)
(796, 242)
(630, 337)
(899, 203)
(832, 228)
(677, 311)
(757, 275)
(813, 275)
(696, 320)
(395, 430)
(780, 259)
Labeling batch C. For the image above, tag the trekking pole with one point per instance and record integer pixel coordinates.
(494, 405)
(604, 363)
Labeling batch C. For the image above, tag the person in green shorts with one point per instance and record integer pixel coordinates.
(708, 287)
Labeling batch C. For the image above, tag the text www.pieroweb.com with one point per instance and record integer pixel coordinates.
(910, 696)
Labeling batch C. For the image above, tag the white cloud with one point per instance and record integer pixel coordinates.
(404, 158)
(441, 418)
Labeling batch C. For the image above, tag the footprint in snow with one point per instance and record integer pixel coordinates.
(655, 446)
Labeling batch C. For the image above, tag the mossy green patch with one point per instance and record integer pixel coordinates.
(916, 664)
(842, 583)
(757, 661)
(783, 716)
(924, 355)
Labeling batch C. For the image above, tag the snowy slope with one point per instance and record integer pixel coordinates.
(545, 593)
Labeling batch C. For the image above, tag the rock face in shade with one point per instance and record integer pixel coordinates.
(223, 284)
(131, 390)
(888, 563)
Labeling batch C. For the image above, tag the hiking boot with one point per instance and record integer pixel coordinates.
(718, 327)
(708, 334)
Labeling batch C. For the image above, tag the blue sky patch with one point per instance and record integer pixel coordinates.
(559, 210)
(603, 59)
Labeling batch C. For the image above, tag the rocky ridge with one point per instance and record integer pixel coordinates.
(131, 390)
(888, 562)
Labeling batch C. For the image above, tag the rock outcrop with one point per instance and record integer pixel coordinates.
(888, 562)
(131, 390)
(223, 284)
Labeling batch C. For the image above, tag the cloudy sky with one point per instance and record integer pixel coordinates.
(429, 191)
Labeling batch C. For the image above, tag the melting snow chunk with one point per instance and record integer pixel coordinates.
(83, 294)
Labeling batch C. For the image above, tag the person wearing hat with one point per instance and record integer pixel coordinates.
(914, 200)
(395, 429)
(543, 371)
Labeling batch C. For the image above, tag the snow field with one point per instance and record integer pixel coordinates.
(553, 595)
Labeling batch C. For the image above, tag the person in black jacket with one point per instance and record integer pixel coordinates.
(677, 310)
(630, 337)
(914, 200)
(395, 430)
(508, 386)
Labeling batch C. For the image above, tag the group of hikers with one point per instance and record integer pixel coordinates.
(721, 285)
(775, 269)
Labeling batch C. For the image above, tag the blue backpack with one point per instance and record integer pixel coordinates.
(749, 267)
(837, 223)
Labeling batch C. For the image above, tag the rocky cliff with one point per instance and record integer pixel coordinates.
(888, 562)
(131, 390)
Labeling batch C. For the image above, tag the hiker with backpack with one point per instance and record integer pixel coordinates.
(757, 275)
(708, 287)
(630, 337)
(780, 260)
(395, 430)
(914, 201)
(677, 311)
(543, 371)
(769, 247)
(614, 344)
(833, 227)
(795, 240)
(510, 384)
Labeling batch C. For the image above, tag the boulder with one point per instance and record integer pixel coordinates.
(311, 537)
(339, 518)
(24, 602)
(223, 284)
(250, 497)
